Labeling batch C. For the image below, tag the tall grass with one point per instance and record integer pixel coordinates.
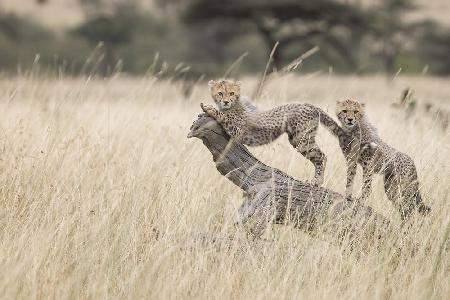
(101, 194)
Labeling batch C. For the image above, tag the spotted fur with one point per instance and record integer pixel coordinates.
(250, 126)
(361, 144)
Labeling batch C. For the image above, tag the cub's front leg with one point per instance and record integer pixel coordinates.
(212, 112)
(351, 172)
(367, 182)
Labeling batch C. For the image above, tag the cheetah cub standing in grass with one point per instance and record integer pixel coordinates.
(250, 126)
(400, 175)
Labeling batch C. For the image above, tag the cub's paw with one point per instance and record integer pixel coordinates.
(424, 209)
(207, 108)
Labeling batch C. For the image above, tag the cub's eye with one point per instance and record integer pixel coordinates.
(344, 111)
(220, 94)
(231, 94)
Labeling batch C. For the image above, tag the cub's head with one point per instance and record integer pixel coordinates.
(225, 92)
(349, 112)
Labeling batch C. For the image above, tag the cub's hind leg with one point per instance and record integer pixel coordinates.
(391, 186)
(402, 188)
(395, 193)
(412, 200)
(305, 143)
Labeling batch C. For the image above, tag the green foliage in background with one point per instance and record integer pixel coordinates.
(435, 48)
(207, 36)
(24, 43)
(20, 40)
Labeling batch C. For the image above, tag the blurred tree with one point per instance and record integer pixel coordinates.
(20, 30)
(377, 38)
(433, 47)
(25, 45)
(390, 29)
(286, 21)
(109, 24)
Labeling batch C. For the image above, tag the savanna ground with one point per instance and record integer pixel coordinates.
(101, 194)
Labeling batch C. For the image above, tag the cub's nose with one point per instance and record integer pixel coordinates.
(350, 119)
(226, 102)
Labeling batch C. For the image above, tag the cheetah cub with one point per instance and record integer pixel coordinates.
(253, 127)
(361, 144)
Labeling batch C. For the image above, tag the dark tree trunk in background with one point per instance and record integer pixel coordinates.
(108, 61)
(389, 55)
(270, 42)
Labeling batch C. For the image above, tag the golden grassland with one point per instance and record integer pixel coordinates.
(101, 194)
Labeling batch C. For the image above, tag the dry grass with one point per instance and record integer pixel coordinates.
(101, 194)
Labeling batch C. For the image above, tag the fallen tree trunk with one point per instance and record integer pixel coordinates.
(271, 196)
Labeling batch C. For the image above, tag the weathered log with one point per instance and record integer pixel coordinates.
(271, 196)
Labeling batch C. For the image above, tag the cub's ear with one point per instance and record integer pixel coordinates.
(239, 83)
(211, 83)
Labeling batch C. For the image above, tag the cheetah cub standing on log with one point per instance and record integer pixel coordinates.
(250, 126)
(400, 175)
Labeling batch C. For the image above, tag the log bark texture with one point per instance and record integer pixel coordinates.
(271, 196)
